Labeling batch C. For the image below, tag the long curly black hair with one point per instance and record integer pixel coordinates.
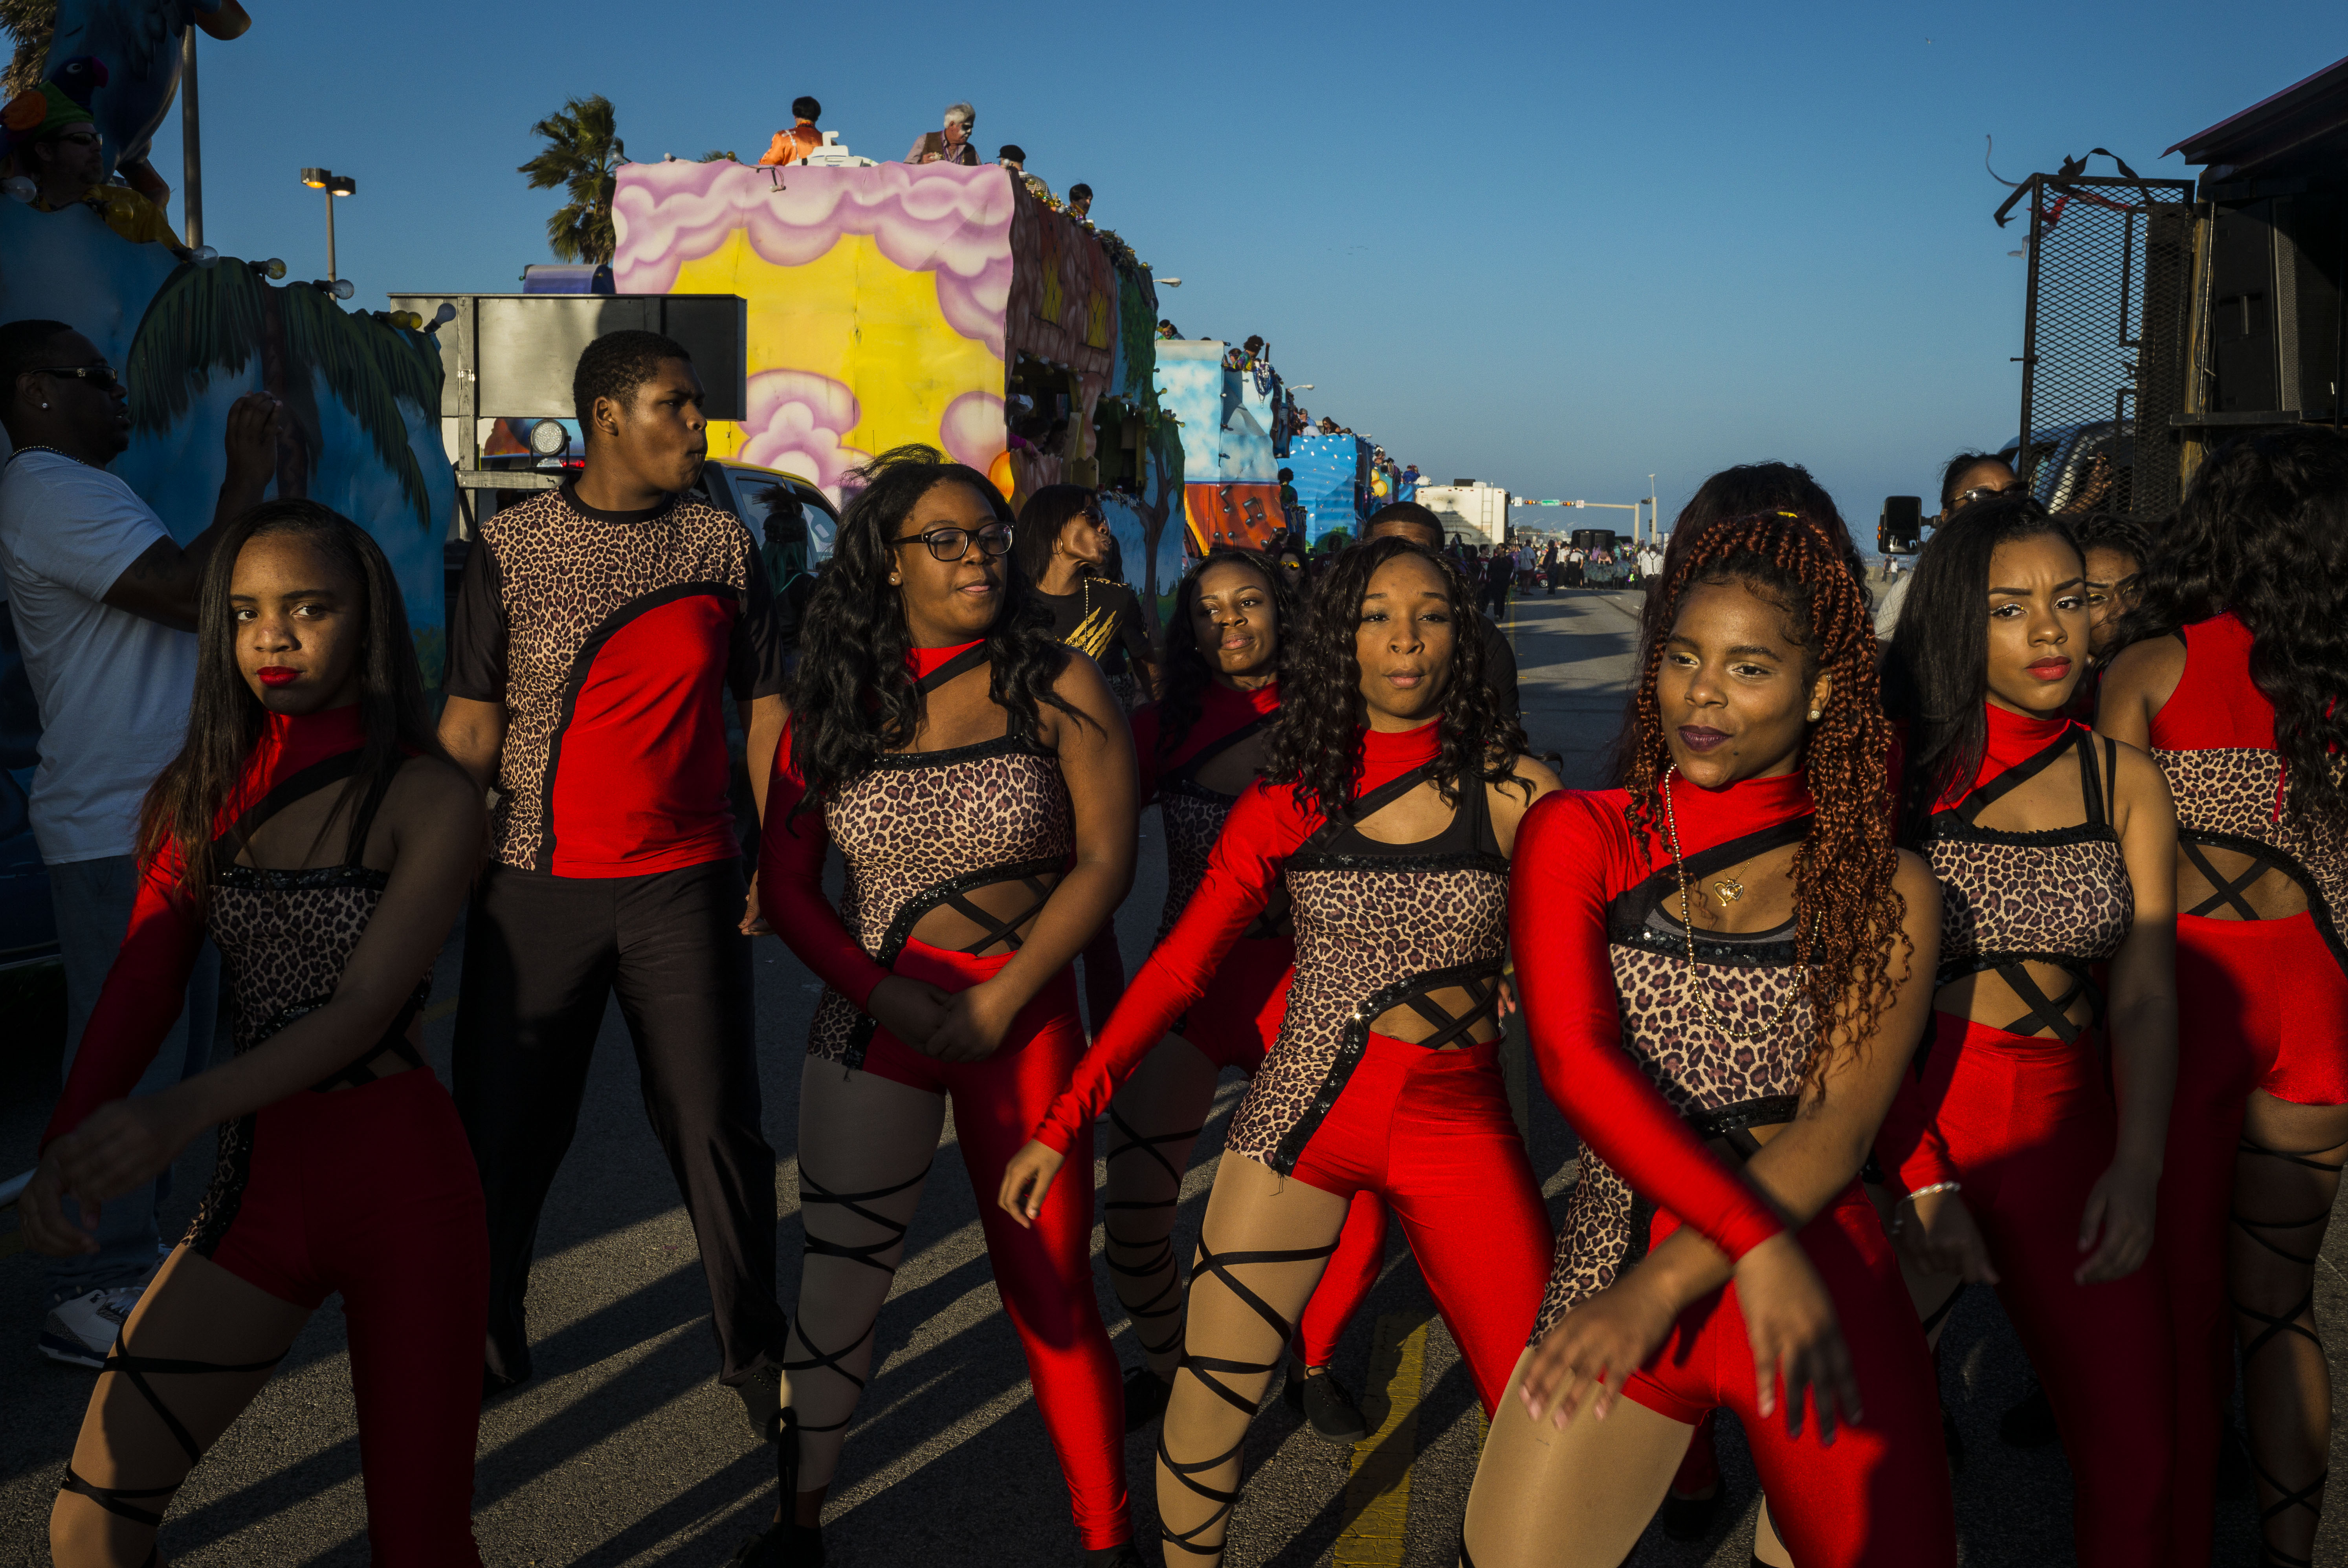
(1316, 746)
(853, 697)
(1188, 670)
(1843, 873)
(2263, 534)
(1936, 680)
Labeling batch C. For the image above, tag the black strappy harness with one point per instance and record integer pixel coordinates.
(1276, 919)
(2098, 784)
(351, 873)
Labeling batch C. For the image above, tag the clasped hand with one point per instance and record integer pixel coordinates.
(123, 1144)
(951, 1026)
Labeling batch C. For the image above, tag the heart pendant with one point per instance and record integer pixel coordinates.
(1728, 889)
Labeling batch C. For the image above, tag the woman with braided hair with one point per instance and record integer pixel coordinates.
(1389, 800)
(2055, 853)
(1200, 745)
(978, 779)
(1725, 966)
(2234, 674)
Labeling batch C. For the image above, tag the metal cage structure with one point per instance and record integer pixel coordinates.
(2106, 339)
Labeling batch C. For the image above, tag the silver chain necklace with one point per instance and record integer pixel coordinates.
(1728, 1023)
(57, 451)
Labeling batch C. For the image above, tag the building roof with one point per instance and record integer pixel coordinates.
(2302, 129)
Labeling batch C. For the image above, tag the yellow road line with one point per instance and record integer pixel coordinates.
(1377, 1495)
(440, 1009)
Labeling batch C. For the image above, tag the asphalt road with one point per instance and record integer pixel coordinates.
(623, 1451)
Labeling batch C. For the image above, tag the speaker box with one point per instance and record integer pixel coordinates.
(2275, 266)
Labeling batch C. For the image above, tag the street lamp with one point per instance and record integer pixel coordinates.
(334, 185)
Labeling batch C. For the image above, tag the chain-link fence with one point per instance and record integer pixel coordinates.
(2104, 339)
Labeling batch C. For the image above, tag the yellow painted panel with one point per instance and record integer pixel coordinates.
(857, 317)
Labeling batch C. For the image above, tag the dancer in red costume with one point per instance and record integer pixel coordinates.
(2233, 674)
(1198, 746)
(1723, 964)
(979, 781)
(314, 828)
(2056, 854)
(1393, 839)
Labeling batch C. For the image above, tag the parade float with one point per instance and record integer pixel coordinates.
(1331, 476)
(1231, 407)
(191, 331)
(894, 304)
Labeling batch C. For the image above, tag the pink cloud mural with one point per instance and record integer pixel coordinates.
(937, 217)
(971, 429)
(796, 420)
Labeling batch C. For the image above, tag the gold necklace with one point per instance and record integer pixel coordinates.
(1728, 1023)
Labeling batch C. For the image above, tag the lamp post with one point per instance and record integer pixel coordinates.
(334, 185)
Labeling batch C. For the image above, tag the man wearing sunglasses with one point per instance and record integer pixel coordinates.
(103, 602)
(66, 159)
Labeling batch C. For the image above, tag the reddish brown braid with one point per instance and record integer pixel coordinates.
(1843, 896)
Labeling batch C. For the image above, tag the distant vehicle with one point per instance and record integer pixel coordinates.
(744, 489)
(2080, 466)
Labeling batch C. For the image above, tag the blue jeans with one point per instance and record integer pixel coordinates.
(92, 899)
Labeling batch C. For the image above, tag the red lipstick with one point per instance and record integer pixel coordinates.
(278, 675)
(2051, 669)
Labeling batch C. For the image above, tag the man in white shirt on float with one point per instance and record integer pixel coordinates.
(104, 606)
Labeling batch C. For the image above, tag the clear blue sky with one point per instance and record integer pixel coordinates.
(1557, 247)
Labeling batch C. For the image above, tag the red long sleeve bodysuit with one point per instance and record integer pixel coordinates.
(1234, 1024)
(920, 828)
(2024, 1119)
(1334, 1103)
(363, 1185)
(2260, 1004)
(1635, 1060)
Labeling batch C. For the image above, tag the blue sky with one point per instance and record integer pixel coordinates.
(1557, 247)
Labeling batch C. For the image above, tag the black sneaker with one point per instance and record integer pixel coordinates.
(761, 1394)
(2030, 1422)
(781, 1546)
(1690, 1518)
(1125, 1556)
(1145, 1394)
(1327, 1408)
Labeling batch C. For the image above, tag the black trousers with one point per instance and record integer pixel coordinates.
(542, 955)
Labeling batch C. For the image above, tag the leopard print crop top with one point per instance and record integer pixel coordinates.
(1378, 925)
(1720, 1085)
(923, 829)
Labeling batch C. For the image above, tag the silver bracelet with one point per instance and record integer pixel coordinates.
(1935, 1187)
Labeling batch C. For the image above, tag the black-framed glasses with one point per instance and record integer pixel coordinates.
(103, 375)
(952, 544)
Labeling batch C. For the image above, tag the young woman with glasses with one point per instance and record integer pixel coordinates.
(978, 783)
(1390, 796)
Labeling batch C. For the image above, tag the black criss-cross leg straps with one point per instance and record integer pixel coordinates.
(1205, 1368)
(2310, 1496)
(114, 1499)
(811, 1192)
(1168, 1301)
(2228, 890)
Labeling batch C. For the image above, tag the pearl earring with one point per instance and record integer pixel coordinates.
(1814, 715)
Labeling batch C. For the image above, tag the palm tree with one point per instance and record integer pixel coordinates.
(30, 23)
(583, 149)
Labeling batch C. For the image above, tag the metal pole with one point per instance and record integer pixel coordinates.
(330, 234)
(2036, 190)
(191, 179)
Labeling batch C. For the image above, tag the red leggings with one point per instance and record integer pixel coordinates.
(1429, 1133)
(1232, 1026)
(2031, 1127)
(371, 1192)
(1045, 1274)
(2260, 1004)
(1878, 1497)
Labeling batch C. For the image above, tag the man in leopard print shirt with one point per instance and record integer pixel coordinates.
(589, 644)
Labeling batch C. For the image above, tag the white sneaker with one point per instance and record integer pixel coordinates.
(81, 1331)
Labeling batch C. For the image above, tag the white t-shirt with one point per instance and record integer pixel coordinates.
(113, 687)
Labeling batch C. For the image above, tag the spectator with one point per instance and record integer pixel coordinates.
(1013, 157)
(1575, 560)
(2115, 548)
(1166, 329)
(1062, 548)
(1080, 202)
(1500, 571)
(65, 159)
(104, 604)
(788, 570)
(793, 145)
(1292, 509)
(1295, 566)
(1970, 476)
(951, 145)
(1409, 520)
(1552, 565)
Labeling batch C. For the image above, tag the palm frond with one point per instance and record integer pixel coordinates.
(202, 320)
(370, 366)
(583, 149)
(30, 23)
